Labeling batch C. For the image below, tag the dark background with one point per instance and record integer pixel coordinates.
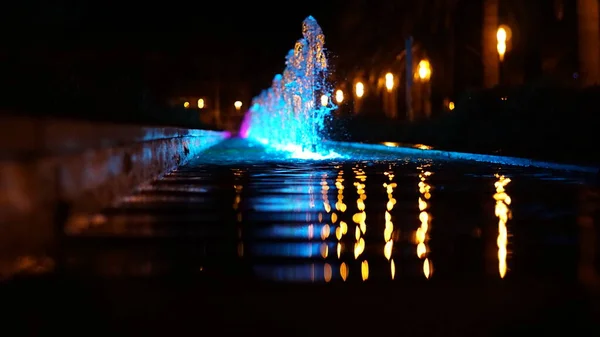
(170, 41)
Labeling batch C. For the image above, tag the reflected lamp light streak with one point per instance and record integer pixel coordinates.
(342, 228)
(422, 233)
(389, 225)
(503, 213)
(360, 217)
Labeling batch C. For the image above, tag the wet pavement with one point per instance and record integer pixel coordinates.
(244, 241)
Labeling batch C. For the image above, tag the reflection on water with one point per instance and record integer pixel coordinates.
(503, 213)
(388, 229)
(360, 218)
(422, 233)
(341, 228)
(340, 222)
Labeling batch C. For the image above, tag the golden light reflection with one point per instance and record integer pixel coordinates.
(503, 214)
(342, 228)
(423, 147)
(422, 233)
(389, 225)
(339, 185)
(344, 271)
(325, 193)
(324, 250)
(360, 217)
(364, 270)
(327, 272)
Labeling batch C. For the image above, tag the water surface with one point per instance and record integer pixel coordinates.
(250, 241)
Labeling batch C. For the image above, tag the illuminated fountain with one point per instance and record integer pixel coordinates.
(290, 115)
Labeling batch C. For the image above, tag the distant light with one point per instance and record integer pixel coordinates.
(389, 81)
(237, 105)
(451, 106)
(501, 34)
(201, 103)
(186, 105)
(359, 89)
(324, 100)
(339, 96)
(424, 70)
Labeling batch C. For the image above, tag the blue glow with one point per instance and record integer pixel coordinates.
(290, 231)
(283, 204)
(289, 249)
(290, 116)
(313, 272)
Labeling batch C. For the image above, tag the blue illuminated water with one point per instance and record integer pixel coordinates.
(290, 115)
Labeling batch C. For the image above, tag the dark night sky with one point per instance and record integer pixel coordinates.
(245, 40)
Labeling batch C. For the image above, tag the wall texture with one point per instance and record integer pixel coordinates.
(51, 171)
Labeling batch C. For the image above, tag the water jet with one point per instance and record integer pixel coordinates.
(289, 115)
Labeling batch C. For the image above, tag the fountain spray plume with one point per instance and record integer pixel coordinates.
(290, 115)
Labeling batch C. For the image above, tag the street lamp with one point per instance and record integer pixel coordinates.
(359, 89)
(339, 96)
(186, 105)
(237, 105)
(424, 70)
(502, 36)
(201, 103)
(389, 82)
(324, 100)
(501, 46)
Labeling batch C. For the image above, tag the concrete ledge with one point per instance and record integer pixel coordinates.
(425, 152)
(50, 170)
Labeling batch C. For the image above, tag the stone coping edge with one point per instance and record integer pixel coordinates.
(40, 194)
(27, 136)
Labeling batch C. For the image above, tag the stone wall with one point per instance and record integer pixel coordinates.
(53, 170)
